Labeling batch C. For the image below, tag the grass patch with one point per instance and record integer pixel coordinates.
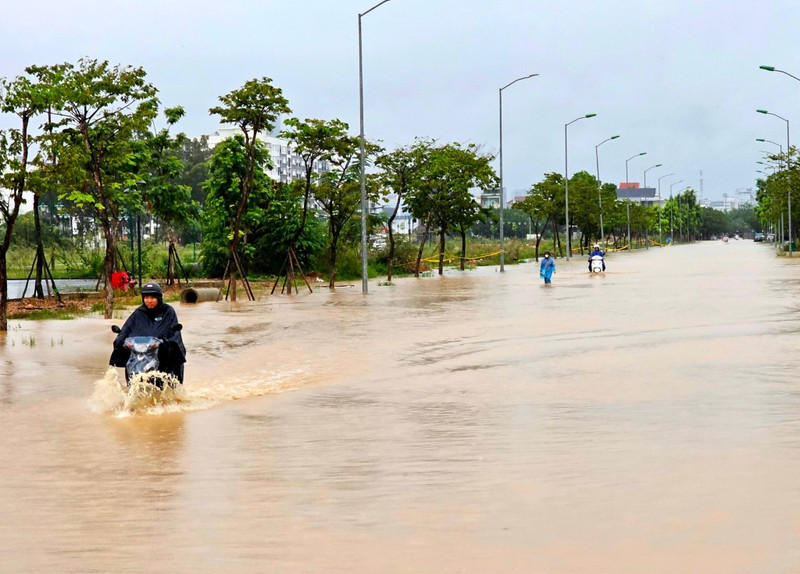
(45, 314)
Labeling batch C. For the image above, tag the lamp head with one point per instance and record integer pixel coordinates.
(760, 140)
(768, 68)
(614, 137)
(590, 115)
(762, 111)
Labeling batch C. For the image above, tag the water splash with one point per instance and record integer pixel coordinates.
(152, 393)
(108, 395)
(143, 397)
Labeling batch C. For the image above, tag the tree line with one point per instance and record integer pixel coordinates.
(777, 192)
(93, 140)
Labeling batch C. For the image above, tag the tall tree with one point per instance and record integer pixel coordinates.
(253, 108)
(25, 99)
(467, 212)
(339, 194)
(400, 173)
(545, 203)
(101, 107)
(315, 141)
(167, 198)
(584, 208)
(229, 164)
(445, 187)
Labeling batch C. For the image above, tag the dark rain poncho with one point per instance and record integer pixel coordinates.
(156, 322)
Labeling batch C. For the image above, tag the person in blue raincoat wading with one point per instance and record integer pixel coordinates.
(547, 267)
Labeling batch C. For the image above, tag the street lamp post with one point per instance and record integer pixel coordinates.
(772, 142)
(788, 171)
(364, 272)
(502, 199)
(600, 185)
(646, 234)
(628, 199)
(774, 69)
(648, 169)
(659, 203)
(566, 180)
(671, 223)
(767, 166)
(680, 223)
(659, 183)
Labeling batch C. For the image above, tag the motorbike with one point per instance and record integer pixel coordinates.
(596, 264)
(144, 359)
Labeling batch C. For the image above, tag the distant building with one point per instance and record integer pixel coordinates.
(745, 195)
(490, 199)
(286, 164)
(642, 195)
(727, 203)
(402, 223)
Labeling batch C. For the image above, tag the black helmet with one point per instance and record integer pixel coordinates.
(152, 288)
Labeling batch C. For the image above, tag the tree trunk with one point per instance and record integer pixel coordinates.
(109, 264)
(38, 291)
(539, 237)
(332, 260)
(422, 247)
(557, 239)
(463, 247)
(441, 250)
(390, 262)
(3, 291)
(171, 258)
(233, 281)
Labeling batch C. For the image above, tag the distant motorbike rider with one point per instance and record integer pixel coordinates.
(153, 318)
(597, 252)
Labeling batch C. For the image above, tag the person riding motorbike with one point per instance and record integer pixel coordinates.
(153, 318)
(597, 252)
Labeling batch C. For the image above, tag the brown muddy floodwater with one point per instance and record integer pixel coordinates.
(644, 421)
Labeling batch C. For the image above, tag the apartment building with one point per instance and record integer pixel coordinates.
(286, 164)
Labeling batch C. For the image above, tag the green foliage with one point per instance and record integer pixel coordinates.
(404, 257)
(743, 218)
(194, 154)
(253, 108)
(228, 167)
(442, 196)
(164, 195)
(713, 222)
(268, 224)
(24, 232)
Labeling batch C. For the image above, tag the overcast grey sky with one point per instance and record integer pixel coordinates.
(678, 80)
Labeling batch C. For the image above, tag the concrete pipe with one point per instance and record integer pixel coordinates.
(199, 294)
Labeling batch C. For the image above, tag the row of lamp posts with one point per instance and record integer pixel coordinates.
(788, 153)
(364, 205)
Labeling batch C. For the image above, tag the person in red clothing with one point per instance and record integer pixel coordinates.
(121, 281)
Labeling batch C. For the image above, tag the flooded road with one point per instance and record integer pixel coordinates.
(647, 420)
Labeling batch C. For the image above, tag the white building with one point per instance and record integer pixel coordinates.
(727, 204)
(286, 164)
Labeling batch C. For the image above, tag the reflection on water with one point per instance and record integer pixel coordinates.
(19, 287)
(646, 420)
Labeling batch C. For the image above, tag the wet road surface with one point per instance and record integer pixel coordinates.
(646, 420)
